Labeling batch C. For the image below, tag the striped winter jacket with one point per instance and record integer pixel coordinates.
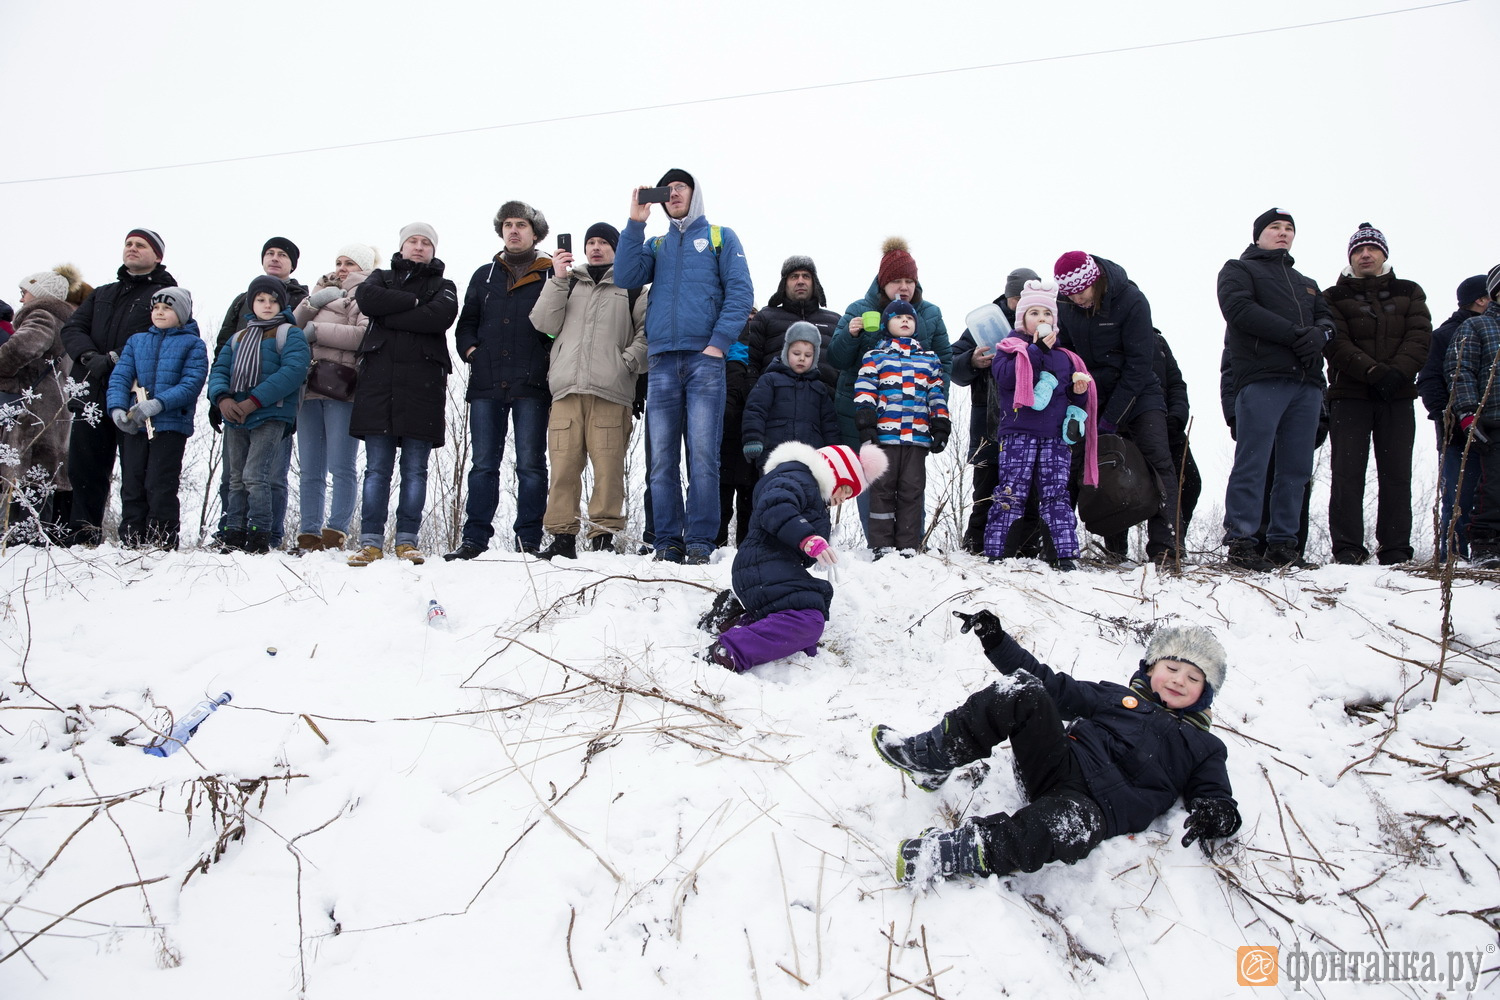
(903, 384)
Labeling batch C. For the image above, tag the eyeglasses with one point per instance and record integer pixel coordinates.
(678, 188)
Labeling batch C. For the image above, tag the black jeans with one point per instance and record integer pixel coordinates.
(91, 466)
(1062, 822)
(150, 472)
(1352, 425)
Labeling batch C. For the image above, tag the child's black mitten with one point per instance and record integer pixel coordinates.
(865, 419)
(939, 428)
(983, 624)
(1210, 819)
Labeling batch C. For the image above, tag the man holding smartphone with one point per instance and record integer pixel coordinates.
(700, 298)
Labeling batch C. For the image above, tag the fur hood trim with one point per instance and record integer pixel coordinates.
(796, 451)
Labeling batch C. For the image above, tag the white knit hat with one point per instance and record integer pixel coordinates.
(1190, 644)
(46, 285)
(362, 254)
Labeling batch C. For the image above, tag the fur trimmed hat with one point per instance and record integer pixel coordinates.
(1190, 644)
(855, 471)
(416, 229)
(46, 285)
(286, 246)
(1074, 272)
(179, 300)
(521, 210)
(1267, 217)
(1037, 293)
(895, 262)
(1016, 280)
(1368, 236)
(362, 254)
(157, 243)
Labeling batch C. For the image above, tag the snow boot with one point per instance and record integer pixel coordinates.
(257, 543)
(1242, 554)
(232, 540)
(723, 614)
(602, 543)
(562, 545)
(938, 854)
(411, 554)
(309, 542)
(333, 539)
(924, 758)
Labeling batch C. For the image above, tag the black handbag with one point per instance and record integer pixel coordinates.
(331, 379)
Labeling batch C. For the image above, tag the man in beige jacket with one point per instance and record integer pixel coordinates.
(599, 347)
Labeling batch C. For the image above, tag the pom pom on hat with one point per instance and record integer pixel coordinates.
(1037, 293)
(1074, 272)
(1368, 236)
(1190, 644)
(856, 471)
(895, 262)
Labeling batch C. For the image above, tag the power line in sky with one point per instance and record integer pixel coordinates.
(777, 92)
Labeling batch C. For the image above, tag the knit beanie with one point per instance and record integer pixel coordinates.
(1074, 272)
(157, 243)
(1016, 280)
(605, 232)
(179, 301)
(1470, 290)
(855, 471)
(416, 229)
(283, 244)
(1368, 236)
(802, 332)
(46, 285)
(361, 253)
(1492, 282)
(676, 176)
(1267, 217)
(898, 307)
(266, 283)
(895, 262)
(521, 210)
(1190, 644)
(1037, 293)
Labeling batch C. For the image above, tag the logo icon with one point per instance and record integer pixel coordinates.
(700, 244)
(1255, 965)
(1129, 701)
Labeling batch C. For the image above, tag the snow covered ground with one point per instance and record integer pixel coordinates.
(555, 797)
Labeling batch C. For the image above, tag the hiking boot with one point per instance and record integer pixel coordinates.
(722, 614)
(411, 554)
(923, 757)
(699, 556)
(232, 540)
(938, 854)
(257, 543)
(1282, 555)
(671, 554)
(562, 545)
(464, 551)
(1345, 557)
(602, 543)
(309, 542)
(1242, 554)
(366, 555)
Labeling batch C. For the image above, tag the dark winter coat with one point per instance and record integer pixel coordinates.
(1379, 323)
(1046, 422)
(282, 372)
(172, 366)
(1137, 756)
(109, 317)
(846, 351)
(1434, 382)
(1173, 386)
(403, 360)
(790, 503)
(984, 409)
(33, 358)
(510, 355)
(1475, 351)
(765, 335)
(787, 406)
(238, 315)
(1118, 344)
(1264, 302)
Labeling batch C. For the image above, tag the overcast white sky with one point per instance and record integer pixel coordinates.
(1158, 158)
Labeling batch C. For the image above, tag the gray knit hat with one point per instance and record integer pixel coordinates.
(416, 229)
(178, 300)
(46, 285)
(1015, 281)
(1190, 644)
(521, 210)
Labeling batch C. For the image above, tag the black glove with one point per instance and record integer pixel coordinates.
(1175, 427)
(865, 419)
(1210, 819)
(939, 428)
(985, 625)
(216, 419)
(97, 364)
(1389, 384)
(1232, 429)
(1309, 344)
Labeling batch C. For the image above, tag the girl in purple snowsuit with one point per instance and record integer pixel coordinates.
(1046, 402)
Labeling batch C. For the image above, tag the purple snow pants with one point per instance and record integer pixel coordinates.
(778, 634)
(1026, 462)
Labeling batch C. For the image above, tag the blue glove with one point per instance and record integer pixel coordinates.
(1043, 390)
(1074, 422)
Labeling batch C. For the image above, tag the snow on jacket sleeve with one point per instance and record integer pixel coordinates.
(1075, 699)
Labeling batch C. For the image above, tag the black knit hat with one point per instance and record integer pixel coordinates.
(1471, 290)
(1267, 217)
(674, 176)
(605, 232)
(266, 283)
(283, 244)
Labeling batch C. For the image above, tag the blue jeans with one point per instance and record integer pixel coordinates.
(1278, 413)
(1464, 492)
(380, 464)
(685, 402)
(280, 471)
(326, 450)
(487, 422)
(250, 458)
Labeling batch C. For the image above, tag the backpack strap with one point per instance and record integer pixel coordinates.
(715, 236)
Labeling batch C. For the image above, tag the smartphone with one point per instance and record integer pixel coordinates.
(565, 242)
(646, 196)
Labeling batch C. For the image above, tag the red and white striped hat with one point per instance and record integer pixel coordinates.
(854, 471)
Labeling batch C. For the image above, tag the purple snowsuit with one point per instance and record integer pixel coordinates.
(1032, 453)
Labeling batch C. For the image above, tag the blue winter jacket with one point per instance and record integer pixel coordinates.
(1137, 756)
(787, 406)
(698, 298)
(789, 503)
(281, 375)
(171, 365)
(846, 351)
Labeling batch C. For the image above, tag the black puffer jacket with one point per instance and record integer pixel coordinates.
(403, 360)
(109, 317)
(765, 335)
(1433, 384)
(1137, 756)
(510, 356)
(1117, 343)
(1264, 301)
(984, 406)
(1379, 324)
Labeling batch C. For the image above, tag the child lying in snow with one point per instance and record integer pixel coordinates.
(1127, 756)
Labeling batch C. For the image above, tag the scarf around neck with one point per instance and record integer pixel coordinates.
(1026, 395)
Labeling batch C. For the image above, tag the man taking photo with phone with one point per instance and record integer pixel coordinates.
(700, 298)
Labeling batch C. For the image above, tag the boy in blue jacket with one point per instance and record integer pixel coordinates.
(170, 362)
(1126, 757)
(790, 401)
(256, 383)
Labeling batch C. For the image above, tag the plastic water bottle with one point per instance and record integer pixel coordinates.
(187, 726)
(437, 615)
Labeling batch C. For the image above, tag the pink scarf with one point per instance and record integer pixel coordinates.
(1025, 396)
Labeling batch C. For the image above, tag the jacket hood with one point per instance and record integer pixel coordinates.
(695, 212)
(1253, 252)
(803, 454)
(191, 327)
(403, 266)
(159, 275)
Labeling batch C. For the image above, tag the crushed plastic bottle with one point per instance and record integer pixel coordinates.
(186, 726)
